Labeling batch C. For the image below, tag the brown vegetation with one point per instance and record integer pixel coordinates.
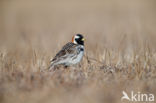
(120, 50)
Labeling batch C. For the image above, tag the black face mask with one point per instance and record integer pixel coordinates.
(79, 40)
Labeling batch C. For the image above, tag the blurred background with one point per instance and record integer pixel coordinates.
(119, 33)
(49, 24)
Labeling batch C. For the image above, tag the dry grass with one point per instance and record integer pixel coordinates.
(120, 50)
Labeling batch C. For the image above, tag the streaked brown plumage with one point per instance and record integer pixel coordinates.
(70, 54)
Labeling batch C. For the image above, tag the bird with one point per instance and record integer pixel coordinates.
(70, 54)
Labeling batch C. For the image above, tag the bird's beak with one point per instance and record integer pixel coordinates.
(83, 39)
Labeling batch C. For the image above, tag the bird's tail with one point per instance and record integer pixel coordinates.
(52, 66)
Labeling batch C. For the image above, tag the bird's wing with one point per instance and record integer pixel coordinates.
(66, 49)
(68, 45)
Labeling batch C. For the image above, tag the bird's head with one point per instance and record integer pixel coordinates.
(78, 39)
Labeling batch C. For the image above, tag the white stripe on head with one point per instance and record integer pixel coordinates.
(73, 39)
(75, 42)
(76, 37)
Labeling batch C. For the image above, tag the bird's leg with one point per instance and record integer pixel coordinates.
(66, 67)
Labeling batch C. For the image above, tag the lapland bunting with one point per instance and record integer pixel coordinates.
(70, 54)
